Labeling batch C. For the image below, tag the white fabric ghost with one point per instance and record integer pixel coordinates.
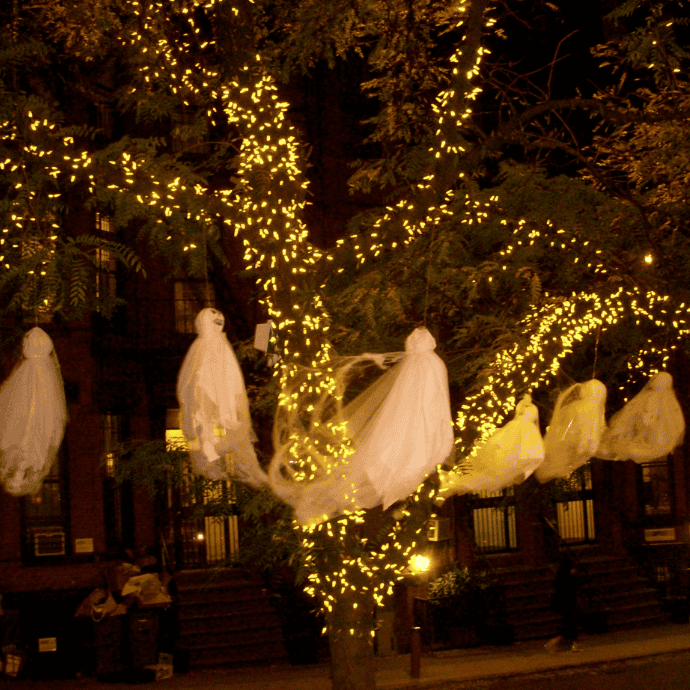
(33, 414)
(649, 426)
(508, 457)
(401, 427)
(214, 406)
(576, 427)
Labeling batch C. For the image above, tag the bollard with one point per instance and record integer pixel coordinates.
(415, 651)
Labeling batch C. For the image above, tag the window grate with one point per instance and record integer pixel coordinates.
(494, 521)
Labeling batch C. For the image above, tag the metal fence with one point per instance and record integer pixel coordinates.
(200, 540)
(575, 518)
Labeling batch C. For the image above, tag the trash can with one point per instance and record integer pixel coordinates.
(143, 637)
(109, 647)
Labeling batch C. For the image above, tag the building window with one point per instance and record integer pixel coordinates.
(106, 262)
(493, 520)
(576, 516)
(199, 539)
(657, 491)
(45, 517)
(110, 425)
(190, 298)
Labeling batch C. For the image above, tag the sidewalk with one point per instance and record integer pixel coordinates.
(449, 666)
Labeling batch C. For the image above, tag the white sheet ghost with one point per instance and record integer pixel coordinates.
(576, 427)
(508, 457)
(401, 427)
(33, 414)
(214, 406)
(649, 426)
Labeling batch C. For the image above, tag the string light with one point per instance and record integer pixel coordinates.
(553, 332)
(264, 205)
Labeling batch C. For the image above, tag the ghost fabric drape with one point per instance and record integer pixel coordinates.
(401, 428)
(575, 431)
(403, 434)
(509, 456)
(214, 406)
(33, 414)
(649, 426)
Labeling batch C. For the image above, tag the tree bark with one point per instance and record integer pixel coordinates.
(352, 654)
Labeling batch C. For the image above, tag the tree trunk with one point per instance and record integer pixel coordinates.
(352, 655)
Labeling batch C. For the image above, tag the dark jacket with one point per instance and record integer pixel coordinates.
(566, 586)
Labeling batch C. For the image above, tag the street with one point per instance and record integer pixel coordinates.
(663, 672)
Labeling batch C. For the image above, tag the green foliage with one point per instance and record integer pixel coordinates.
(152, 465)
(455, 583)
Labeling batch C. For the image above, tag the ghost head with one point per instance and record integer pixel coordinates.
(37, 343)
(420, 340)
(209, 322)
(527, 410)
(660, 382)
(594, 390)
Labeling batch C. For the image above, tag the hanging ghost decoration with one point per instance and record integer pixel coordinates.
(33, 414)
(508, 457)
(400, 427)
(649, 426)
(575, 431)
(214, 406)
(403, 426)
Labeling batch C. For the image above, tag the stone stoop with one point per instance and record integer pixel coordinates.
(610, 584)
(225, 619)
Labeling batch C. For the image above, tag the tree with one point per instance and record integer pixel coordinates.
(462, 232)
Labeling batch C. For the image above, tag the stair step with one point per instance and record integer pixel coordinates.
(207, 575)
(226, 619)
(644, 594)
(208, 611)
(219, 609)
(233, 638)
(612, 583)
(223, 626)
(236, 656)
(233, 591)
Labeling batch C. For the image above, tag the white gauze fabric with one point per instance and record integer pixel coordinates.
(649, 426)
(214, 406)
(508, 457)
(575, 431)
(33, 414)
(400, 427)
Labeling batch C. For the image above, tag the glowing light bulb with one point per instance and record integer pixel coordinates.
(419, 564)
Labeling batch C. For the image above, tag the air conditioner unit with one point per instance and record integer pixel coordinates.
(439, 529)
(49, 543)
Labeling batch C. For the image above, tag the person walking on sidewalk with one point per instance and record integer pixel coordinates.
(566, 587)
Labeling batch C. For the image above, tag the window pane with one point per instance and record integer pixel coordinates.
(190, 298)
(657, 492)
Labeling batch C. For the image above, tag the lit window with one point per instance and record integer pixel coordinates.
(106, 273)
(111, 438)
(657, 488)
(493, 520)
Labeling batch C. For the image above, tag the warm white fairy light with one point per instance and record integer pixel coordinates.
(264, 208)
